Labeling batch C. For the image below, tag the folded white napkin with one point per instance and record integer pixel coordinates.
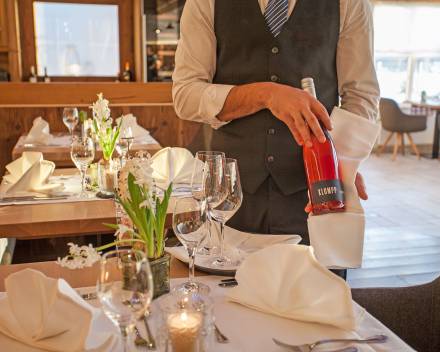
(28, 174)
(39, 133)
(172, 165)
(47, 313)
(287, 281)
(338, 238)
(238, 245)
(130, 121)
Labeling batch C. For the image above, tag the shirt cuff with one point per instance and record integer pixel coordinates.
(211, 103)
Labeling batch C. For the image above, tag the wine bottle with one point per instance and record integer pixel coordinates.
(33, 77)
(127, 75)
(322, 169)
(46, 77)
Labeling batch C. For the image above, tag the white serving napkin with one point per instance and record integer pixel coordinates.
(28, 175)
(288, 281)
(238, 245)
(172, 165)
(48, 314)
(130, 121)
(39, 133)
(338, 238)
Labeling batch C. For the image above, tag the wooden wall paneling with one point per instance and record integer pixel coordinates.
(3, 27)
(138, 40)
(14, 51)
(162, 121)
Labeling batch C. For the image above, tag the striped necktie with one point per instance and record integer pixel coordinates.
(276, 15)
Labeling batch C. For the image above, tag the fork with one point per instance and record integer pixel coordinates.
(310, 347)
(301, 348)
(139, 340)
(220, 337)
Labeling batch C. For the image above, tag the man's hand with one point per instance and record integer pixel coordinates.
(299, 111)
(360, 187)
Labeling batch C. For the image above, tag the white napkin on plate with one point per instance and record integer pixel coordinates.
(28, 174)
(172, 165)
(130, 121)
(238, 245)
(39, 133)
(287, 281)
(338, 238)
(47, 313)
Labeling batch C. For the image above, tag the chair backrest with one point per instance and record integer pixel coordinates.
(413, 313)
(390, 114)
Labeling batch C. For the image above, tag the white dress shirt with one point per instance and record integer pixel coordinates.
(196, 98)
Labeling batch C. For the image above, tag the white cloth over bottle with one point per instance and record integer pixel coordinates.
(286, 280)
(338, 238)
(172, 165)
(48, 314)
(39, 133)
(28, 175)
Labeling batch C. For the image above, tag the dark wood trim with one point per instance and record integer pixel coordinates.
(82, 94)
(126, 34)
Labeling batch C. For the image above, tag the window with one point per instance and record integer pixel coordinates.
(407, 50)
(76, 39)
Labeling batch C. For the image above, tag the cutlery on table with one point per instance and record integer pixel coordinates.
(151, 343)
(220, 337)
(89, 296)
(310, 347)
(228, 283)
(30, 198)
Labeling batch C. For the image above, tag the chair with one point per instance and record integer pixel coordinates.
(413, 313)
(396, 121)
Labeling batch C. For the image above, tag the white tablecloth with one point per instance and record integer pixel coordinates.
(252, 331)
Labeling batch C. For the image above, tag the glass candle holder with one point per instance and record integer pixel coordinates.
(107, 177)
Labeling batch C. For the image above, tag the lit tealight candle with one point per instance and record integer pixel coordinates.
(184, 328)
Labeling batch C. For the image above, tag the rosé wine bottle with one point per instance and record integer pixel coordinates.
(322, 169)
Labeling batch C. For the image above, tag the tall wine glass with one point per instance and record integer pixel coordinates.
(70, 119)
(189, 220)
(226, 209)
(82, 152)
(127, 137)
(207, 183)
(125, 289)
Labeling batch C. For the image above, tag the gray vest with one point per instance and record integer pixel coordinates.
(247, 52)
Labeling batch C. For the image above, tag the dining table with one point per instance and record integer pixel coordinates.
(247, 329)
(71, 216)
(58, 150)
(431, 106)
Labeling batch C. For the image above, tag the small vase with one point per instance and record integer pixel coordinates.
(160, 269)
(107, 178)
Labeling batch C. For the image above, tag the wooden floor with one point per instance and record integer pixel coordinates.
(403, 222)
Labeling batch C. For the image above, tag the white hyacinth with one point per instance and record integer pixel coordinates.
(101, 111)
(142, 171)
(79, 257)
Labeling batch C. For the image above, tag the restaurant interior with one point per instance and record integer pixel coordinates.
(114, 208)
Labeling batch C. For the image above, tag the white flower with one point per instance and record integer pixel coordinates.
(122, 230)
(101, 111)
(79, 257)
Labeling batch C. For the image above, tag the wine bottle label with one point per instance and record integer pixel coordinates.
(326, 191)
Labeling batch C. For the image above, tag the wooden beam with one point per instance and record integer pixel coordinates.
(14, 49)
(83, 94)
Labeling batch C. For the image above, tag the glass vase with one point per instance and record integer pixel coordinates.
(107, 178)
(160, 269)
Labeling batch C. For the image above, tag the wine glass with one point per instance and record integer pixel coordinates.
(207, 183)
(122, 147)
(70, 119)
(226, 209)
(126, 137)
(189, 225)
(125, 289)
(82, 152)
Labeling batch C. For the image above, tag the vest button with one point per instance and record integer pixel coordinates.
(274, 78)
(275, 50)
(270, 159)
(271, 131)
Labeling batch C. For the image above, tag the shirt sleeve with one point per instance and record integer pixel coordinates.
(195, 97)
(357, 81)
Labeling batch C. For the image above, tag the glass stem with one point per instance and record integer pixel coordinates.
(192, 259)
(125, 338)
(222, 239)
(83, 179)
(209, 244)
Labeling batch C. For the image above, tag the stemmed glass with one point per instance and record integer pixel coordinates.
(82, 152)
(125, 289)
(226, 209)
(208, 183)
(189, 220)
(70, 119)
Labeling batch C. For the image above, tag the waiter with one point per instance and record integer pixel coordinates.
(239, 64)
